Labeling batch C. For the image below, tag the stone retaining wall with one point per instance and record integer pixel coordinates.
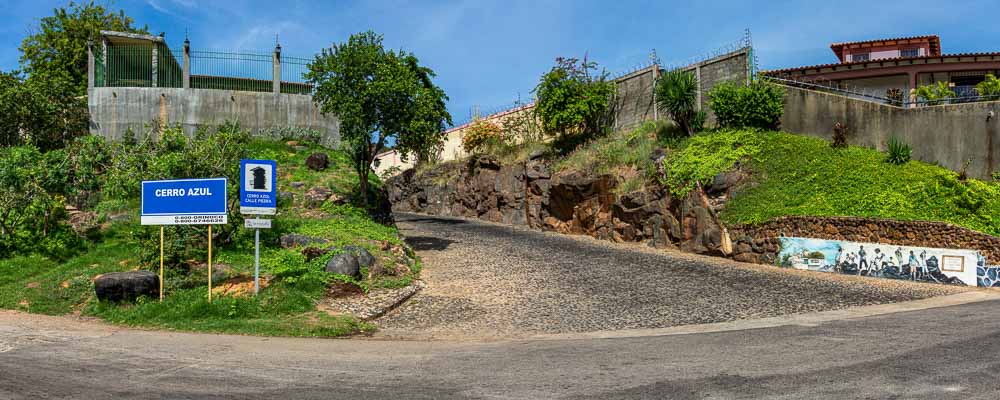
(570, 202)
(761, 243)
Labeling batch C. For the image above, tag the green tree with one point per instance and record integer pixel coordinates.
(759, 104)
(379, 96)
(40, 111)
(572, 103)
(677, 93)
(58, 45)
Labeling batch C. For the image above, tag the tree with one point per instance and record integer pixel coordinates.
(58, 45)
(572, 103)
(40, 111)
(379, 96)
(990, 87)
(677, 93)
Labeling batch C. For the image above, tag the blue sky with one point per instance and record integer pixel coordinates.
(488, 52)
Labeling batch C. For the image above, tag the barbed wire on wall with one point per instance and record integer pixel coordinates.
(483, 113)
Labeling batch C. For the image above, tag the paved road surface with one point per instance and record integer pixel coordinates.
(937, 353)
(942, 353)
(488, 280)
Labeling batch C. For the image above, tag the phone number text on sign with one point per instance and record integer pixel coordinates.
(185, 219)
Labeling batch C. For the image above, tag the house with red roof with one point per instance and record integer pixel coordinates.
(903, 63)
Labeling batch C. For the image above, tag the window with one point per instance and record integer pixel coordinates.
(908, 53)
(860, 57)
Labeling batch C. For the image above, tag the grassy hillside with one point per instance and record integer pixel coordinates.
(798, 175)
(59, 285)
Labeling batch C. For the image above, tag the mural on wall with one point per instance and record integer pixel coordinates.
(924, 264)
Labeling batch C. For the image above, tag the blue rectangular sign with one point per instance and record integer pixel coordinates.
(258, 187)
(184, 202)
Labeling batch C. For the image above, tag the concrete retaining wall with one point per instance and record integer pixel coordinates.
(949, 135)
(115, 110)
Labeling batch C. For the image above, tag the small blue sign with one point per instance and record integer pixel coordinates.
(184, 202)
(258, 187)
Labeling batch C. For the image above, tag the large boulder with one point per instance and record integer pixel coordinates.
(365, 258)
(344, 264)
(126, 286)
(318, 161)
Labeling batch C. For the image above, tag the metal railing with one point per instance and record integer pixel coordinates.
(154, 64)
(963, 94)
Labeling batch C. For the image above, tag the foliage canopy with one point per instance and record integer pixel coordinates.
(757, 105)
(573, 102)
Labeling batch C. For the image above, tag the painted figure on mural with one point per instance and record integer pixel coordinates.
(862, 262)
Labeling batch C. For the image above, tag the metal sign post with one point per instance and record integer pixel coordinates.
(258, 196)
(185, 202)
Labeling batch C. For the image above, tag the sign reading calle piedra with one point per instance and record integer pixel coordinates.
(184, 202)
(258, 188)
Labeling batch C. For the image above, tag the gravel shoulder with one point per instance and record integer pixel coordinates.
(488, 281)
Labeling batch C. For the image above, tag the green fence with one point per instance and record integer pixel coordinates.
(135, 65)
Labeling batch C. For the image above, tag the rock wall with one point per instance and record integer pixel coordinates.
(761, 243)
(571, 202)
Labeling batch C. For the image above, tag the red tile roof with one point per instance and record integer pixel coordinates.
(933, 40)
(783, 70)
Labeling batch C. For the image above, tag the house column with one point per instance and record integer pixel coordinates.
(186, 75)
(276, 72)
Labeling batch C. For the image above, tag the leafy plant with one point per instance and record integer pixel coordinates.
(990, 87)
(479, 133)
(41, 111)
(840, 132)
(380, 96)
(757, 105)
(705, 156)
(677, 93)
(573, 102)
(897, 152)
(935, 93)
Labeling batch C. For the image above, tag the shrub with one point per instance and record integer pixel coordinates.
(839, 136)
(573, 104)
(990, 87)
(757, 105)
(898, 153)
(677, 93)
(32, 216)
(935, 93)
(705, 156)
(480, 134)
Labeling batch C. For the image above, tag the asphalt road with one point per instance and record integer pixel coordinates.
(931, 353)
(941, 353)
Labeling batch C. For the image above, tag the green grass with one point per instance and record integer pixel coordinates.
(623, 154)
(286, 307)
(798, 175)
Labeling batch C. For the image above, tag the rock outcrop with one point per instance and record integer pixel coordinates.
(572, 202)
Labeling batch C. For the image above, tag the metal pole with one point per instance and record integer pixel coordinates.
(161, 262)
(256, 261)
(210, 263)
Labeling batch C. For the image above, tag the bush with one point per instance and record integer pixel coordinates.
(32, 216)
(840, 132)
(757, 105)
(705, 156)
(572, 104)
(990, 87)
(480, 134)
(897, 153)
(936, 93)
(677, 93)
(40, 111)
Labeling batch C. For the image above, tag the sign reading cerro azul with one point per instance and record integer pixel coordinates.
(258, 188)
(184, 202)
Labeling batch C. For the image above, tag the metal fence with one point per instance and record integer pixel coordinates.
(155, 64)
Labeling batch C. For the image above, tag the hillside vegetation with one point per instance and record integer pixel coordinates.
(52, 272)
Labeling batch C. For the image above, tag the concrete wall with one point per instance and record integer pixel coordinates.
(949, 135)
(114, 110)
